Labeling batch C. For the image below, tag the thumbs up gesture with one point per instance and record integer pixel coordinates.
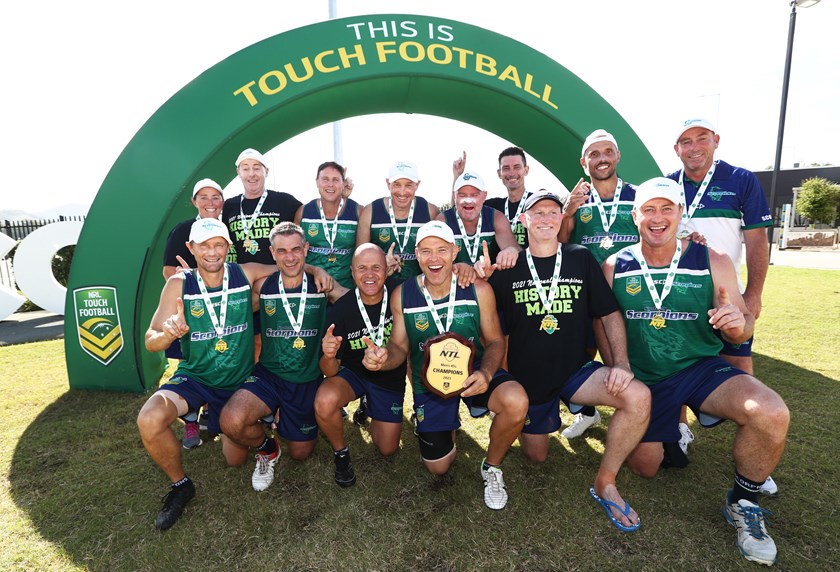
(375, 356)
(330, 343)
(176, 324)
(726, 316)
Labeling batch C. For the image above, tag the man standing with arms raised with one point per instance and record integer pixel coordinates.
(548, 298)
(679, 298)
(432, 304)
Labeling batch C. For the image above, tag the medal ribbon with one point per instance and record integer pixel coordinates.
(330, 234)
(472, 249)
(296, 324)
(636, 251)
(247, 226)
(218, 323)
(689, 212)
(596, 199)
(377, 334)
(515, 218)
(555, 275)
(450, 312)
(408, 222)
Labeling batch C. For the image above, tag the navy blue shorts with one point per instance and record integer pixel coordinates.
(691, 387)
(296, 402)
(382, 404)
(437, 414)
(544, 418)
(197, 394)
(174, 350)
(744, 349)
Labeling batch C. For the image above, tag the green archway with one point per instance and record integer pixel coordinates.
(274, 90)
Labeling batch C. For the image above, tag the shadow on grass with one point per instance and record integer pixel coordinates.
(83, 478)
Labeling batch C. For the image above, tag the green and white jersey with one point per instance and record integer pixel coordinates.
(218, 365)
(662, 342)
(334, 258)
(420, 325)
(589, 225)
(289, 354)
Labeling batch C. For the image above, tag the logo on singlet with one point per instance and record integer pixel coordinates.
(421, 322)
(634, 285)
(313, 230)
(197, 308)
(270, 307)
(384, 235)
(585, 214)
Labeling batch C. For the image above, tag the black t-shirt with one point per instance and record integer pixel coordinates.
(176, 245)
(278, 207)
(519, 231)
(351, 327)
(542, 355)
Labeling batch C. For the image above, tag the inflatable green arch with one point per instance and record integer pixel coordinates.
(274, 90)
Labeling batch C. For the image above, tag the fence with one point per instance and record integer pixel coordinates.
(18, 230)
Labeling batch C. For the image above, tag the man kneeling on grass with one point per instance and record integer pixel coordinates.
(674, 295)
(217, 341)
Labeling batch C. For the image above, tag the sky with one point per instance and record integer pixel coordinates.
(82, 78)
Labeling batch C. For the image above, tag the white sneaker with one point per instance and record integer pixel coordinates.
(686, 438)
(769, 488)
(264, 471)
(580, 424)
(495, 494)
(753, 541)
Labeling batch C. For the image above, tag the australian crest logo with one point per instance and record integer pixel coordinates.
(421, 322)
(197, 308)
(384, 235)
(585, 214)
(270, 307)
(634, 285)
(98, 322)
(313, 230)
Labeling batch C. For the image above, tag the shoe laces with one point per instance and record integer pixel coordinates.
(262, 463)
(754, 520)
(494, 481)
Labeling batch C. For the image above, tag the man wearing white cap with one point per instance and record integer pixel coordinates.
(473, 223)
(392, 222)
(209, 309)
(432, 304)
(727, 205)
(208, 200)
(547, 299)
(676, 296)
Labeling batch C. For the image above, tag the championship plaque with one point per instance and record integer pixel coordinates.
(447, 362)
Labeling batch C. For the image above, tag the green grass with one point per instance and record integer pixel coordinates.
(80, 493)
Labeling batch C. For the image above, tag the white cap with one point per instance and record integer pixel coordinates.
(206, 228)
(403, 170)
(692, 123)
(435, 228)
(251, 154)
(206, 183)
(595, 137)
(542, 194)
(657, 188)
(469, 178)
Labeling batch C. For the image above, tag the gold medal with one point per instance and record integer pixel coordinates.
(607, 243)
(658, 322)
(548, 324)
(221, 346)
(332, 258)
(298, 344)
(246, 244)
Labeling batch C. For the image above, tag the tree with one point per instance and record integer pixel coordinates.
(818, 200)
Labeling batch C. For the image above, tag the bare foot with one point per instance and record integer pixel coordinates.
(610, 493)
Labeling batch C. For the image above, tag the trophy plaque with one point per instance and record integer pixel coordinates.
(447, 363)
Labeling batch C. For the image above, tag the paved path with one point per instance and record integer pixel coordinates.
(38, 326)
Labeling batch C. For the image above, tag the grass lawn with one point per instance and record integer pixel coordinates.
(80, 493)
